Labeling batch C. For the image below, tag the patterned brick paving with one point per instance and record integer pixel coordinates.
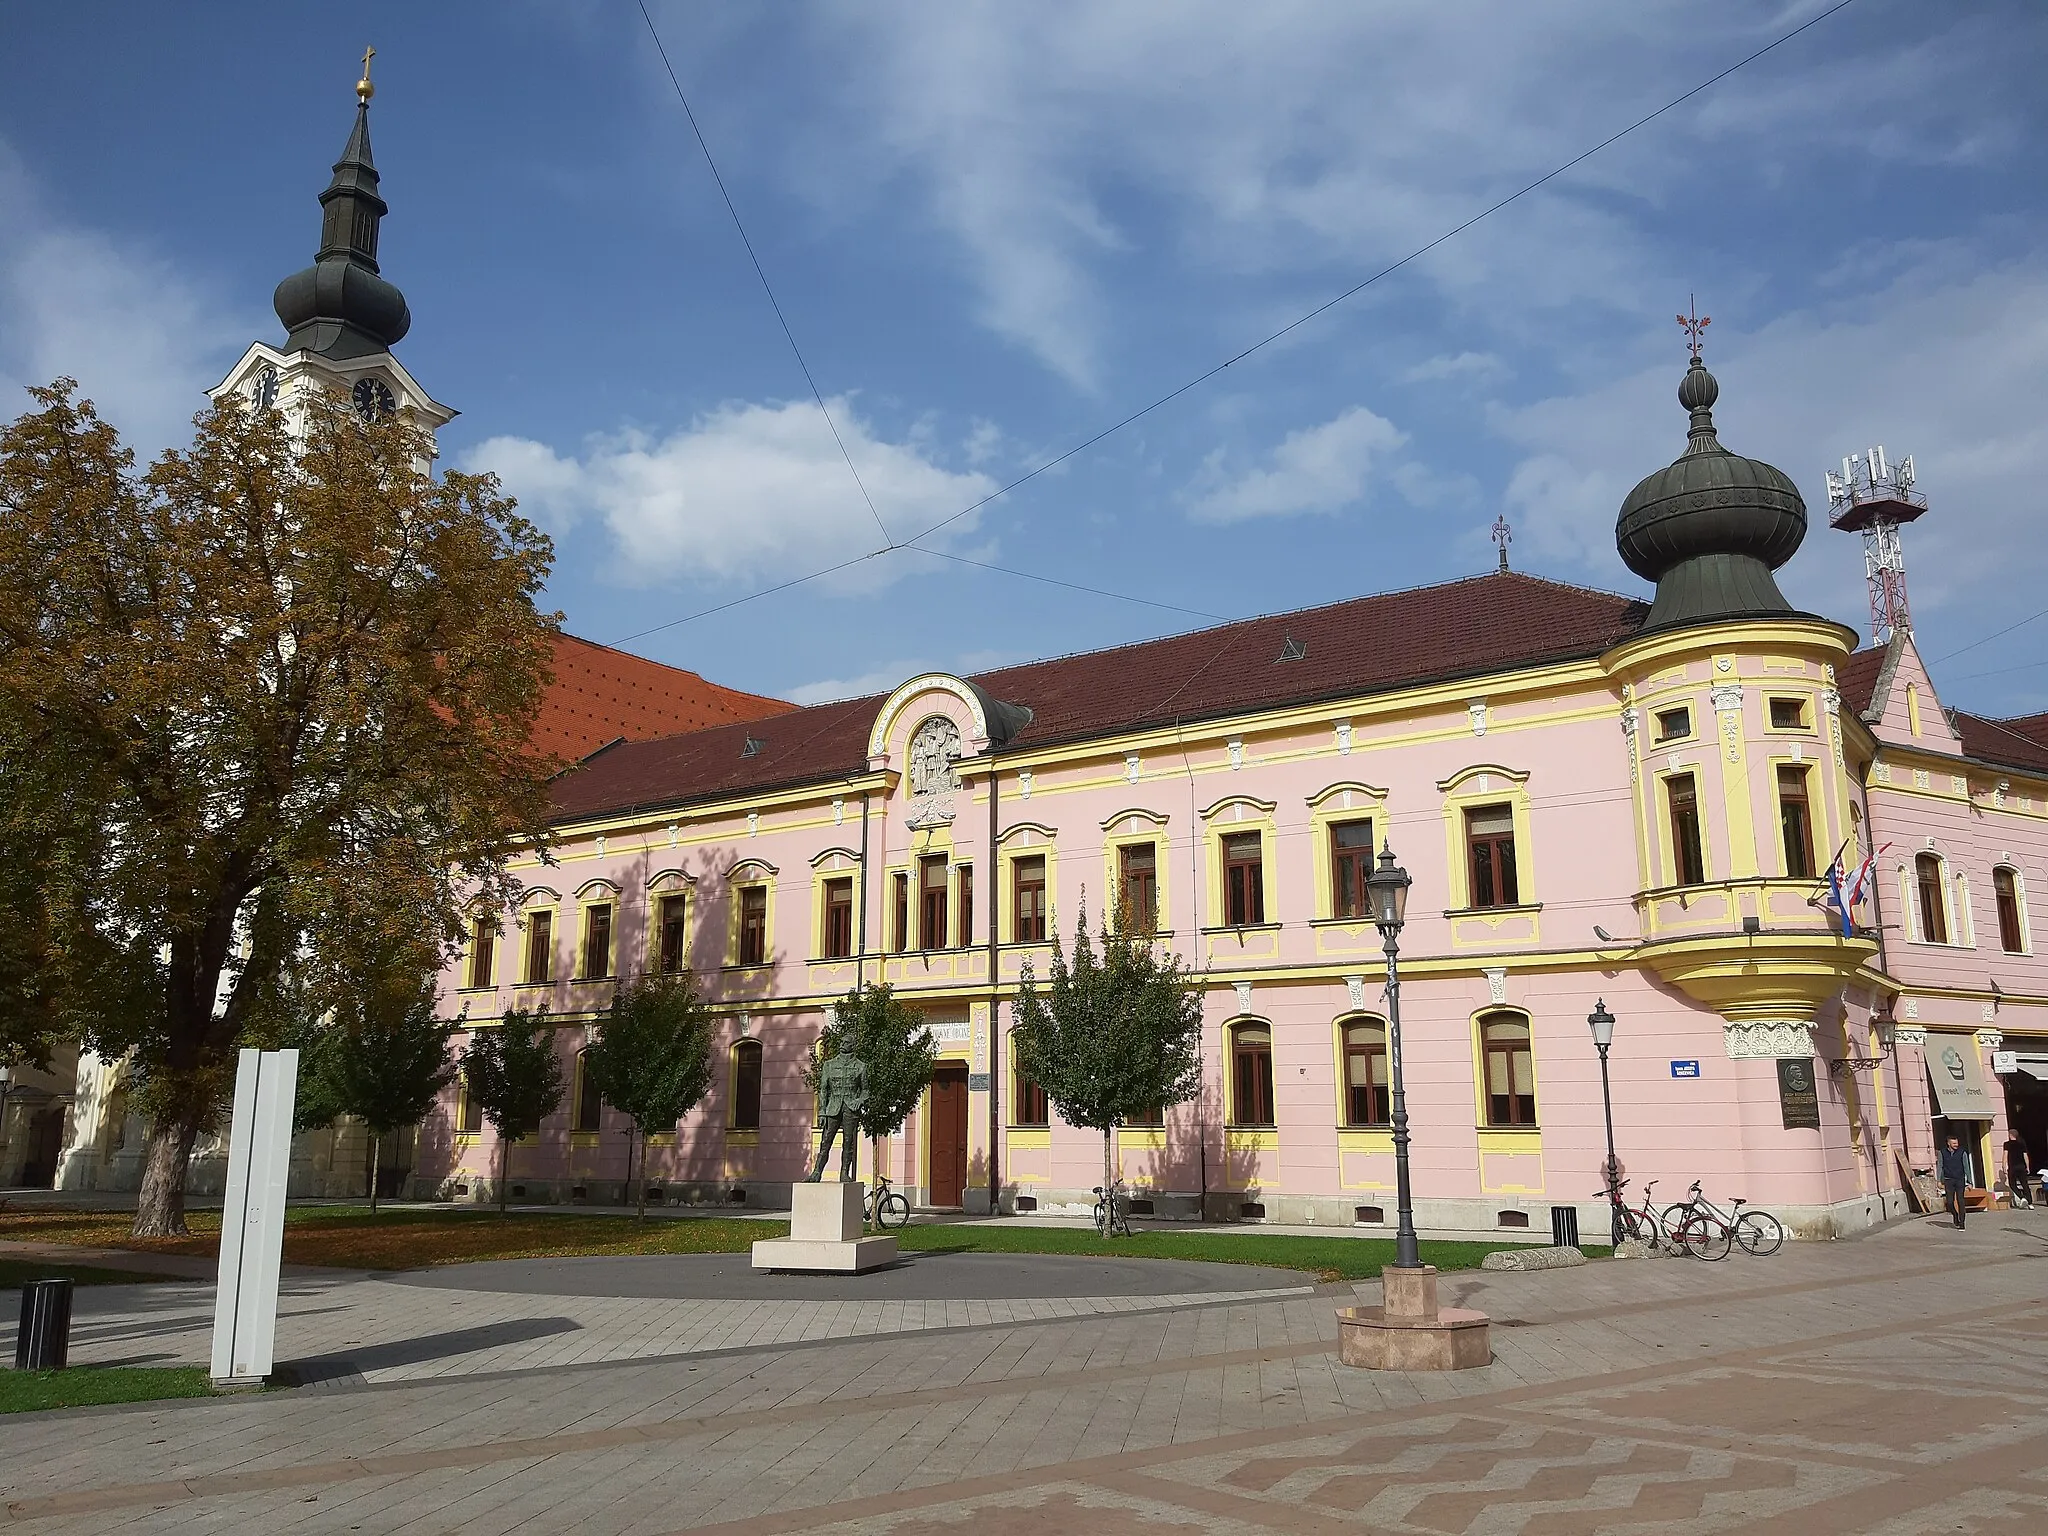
(1895, 1385)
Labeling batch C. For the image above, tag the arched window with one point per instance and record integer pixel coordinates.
(1251, 1056)
(589, 1103)
(1366, 1100)
(746, 1086)
(1510, 1068)
(1933, 911)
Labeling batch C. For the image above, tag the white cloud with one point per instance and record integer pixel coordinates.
(880, 679)
(1473, 367)
(1317, 469)
(746, 492)
(142, 338)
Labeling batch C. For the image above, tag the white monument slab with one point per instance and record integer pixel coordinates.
(826, 1221)
(252, 1216)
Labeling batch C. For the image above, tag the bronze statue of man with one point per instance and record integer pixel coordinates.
(842, 1095)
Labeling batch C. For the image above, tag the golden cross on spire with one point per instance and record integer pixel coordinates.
(1695, 325)
(365, 90)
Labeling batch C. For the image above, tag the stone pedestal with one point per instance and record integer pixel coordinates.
(825, 1225)
(1411, 1332)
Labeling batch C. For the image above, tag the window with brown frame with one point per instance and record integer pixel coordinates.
(1244, 879)
(483, 951)
(597, 941)
(469, 1111)
(753, 924)
(746, 1086)
(1490, 841)
(1028, 1103)
(1674, 724)
(839, 918)
(965, 880)
(1510, 1066)
(669, 953)
(1688, 854)
(1152, 1119)
(900, 931)
(2006, 886)
(931, 906)
(1251, 1055)
(1933, 911)
(1138, 887)
(1027, 903)
(540, 947)
(1350, 864)
(1795, 823)
(589, 1102)
(1366, 1092)
(1788, 714)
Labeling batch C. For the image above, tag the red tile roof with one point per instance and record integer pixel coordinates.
(1503, 621)
(2018, 743)
(1858, 676)
(600, 695)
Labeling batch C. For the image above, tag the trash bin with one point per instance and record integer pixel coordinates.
(44, 1340)
(1564, 1226)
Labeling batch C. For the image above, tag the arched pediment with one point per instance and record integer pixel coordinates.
(749, 869)
(1512, 778)
(538, 896)
(671, 880)
(1357, 788)
(1028, 832)
(1140, 812)
(990, 721)
(824, 856)
(597, 890)
(1251, 803)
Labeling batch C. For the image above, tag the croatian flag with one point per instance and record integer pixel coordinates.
(1847, 891)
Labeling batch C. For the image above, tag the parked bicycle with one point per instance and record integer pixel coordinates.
(1698, 1226)
(1635, 1226)
(1112, 1211)
(886, 1208)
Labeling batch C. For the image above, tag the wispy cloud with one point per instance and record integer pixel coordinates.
(1317, 469)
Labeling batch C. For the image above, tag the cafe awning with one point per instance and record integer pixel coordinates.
(1957, 1078)
(2032, 1064)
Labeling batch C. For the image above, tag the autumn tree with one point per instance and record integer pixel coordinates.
(1116, 1032)
(512, 1073)
(279, 688)
(651, 1059)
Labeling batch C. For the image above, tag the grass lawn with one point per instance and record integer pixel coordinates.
(349, 1237)
(84, 1386)
(13, 1272)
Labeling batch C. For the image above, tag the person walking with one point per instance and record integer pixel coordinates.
(1955, 1177)
(2018, 1168)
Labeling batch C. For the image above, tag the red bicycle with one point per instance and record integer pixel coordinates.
(1636, 1226)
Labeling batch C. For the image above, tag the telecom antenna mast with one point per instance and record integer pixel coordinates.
(1876, 498)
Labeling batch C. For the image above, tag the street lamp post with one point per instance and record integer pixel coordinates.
(1602, 1024)
(1388, 886)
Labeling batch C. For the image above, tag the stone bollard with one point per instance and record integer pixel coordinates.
(1411, 1332)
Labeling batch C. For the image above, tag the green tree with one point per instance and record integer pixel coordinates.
(893, 1041)
(515, 1077)
(1113, 1034)
(651, 1059)
(385, 1065)
(263, 707)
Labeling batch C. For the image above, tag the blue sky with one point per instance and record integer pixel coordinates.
(997, 229)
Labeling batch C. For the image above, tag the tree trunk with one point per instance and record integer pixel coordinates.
(160, 1205)
(504, 1169)
(628, 1196)
(640, 1210)
(1108, 1183)
(376, 1146)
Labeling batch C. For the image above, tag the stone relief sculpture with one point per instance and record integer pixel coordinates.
(933, 749)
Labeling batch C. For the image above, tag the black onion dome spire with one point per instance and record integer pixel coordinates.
(1711, 528)
(339, 307)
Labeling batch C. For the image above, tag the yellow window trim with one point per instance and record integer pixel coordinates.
(1328, 807)
(1462, 792)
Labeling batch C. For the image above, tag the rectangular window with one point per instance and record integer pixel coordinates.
(1244, 879)
(1795, 822)
(900, 932)
(1028, 901)
(1788, 714)
(1933, 912)
(597, 941)
(1366, 1100)
(1251, 1049)
(753, 924)
(483, 951)
(1674, 724)
(589, 1103)
(1029, 1104)
(2011, 938)
(839, 918)
(1138, 883)
(931, 904)
(1350, 863)
(1148, 1119)
(469, 1111)
(1510, 1070)
(966, 881)
(746, 1086)
(1490, 837)
(669, 953)
(1688, 855)
(540, 946)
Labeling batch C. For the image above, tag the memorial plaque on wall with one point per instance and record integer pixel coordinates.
(1798, 1094)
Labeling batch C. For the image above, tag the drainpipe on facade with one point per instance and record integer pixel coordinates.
(1885, 965)
(1195, 898)
(993, 880)
(860, 940)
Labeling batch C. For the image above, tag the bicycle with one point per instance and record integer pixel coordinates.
(1112, 1211)
(886, 1208)
(1631, 1225)
(1758, 1233)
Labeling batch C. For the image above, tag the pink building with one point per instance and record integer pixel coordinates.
(1598, 798)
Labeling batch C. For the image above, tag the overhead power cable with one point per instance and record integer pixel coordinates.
(1209, 373)
(2043, 614)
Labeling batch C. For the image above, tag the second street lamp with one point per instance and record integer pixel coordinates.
(1601, 1022)
(1387, 887)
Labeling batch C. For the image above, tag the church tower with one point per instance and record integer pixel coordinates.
(342, 317)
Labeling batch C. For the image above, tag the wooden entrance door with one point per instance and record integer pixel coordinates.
(949, 1135)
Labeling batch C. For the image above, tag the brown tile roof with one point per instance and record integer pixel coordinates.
(2017, 743)
(1857, 677)
(600, 695)
(1499, 622)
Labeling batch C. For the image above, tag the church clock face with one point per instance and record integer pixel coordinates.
(263, 389)
(373, 399)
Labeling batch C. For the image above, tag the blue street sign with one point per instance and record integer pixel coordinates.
(1685, 1069)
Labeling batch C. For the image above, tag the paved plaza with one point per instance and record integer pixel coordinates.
(1894, 1384)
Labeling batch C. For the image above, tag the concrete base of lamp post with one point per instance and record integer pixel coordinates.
(1411, 1332)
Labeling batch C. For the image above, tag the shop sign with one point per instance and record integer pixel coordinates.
(1798, 1094)
(2005, 1061)
(1685, 1069)
(950, 1031)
